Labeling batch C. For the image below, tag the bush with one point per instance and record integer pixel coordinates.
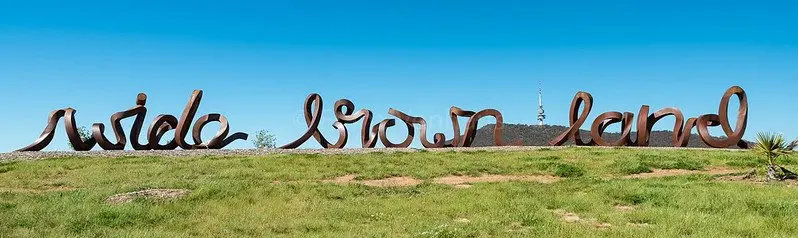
(263, 139)
(568, 171)
(630, 166)
(85, 134)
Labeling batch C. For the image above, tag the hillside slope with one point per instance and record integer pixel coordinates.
(564, 192)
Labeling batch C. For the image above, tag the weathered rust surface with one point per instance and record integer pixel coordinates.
(604, 120)
(646, 121)
(345, 114)
(47, 135)
(344, 111)
(576, 119)
(139, 111)
(733, 137)
(160, 125)
(649, 121)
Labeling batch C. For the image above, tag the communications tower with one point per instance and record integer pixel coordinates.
(541, 112)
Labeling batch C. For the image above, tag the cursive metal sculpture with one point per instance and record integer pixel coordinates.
(646, 121)
(344, 114)
(344, 111)
(160, 125)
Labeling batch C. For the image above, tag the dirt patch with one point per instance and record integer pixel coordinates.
(160, 194)
(349, 178)
(460, 181)
(456, 181)
(658, 173)
(516, 227)
(571, 217)
(392, 182)
(602, 225)
(752, 178)
(386, 182)
(749, 177)
(639, 225)
(624, 208)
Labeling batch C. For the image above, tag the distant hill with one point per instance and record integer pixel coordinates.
(534, 135)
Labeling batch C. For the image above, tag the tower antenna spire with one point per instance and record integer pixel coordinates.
(541, 112)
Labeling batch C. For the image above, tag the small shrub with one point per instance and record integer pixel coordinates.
(5, 169)
(263, 139)
(636, 169)
(630, 166)
(7, 206)
(84, 133)
(530, 219)
(568, 171)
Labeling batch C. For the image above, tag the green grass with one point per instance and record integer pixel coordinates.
(237, 196)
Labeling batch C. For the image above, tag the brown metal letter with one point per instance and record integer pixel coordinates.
(439, 139)
(71, 129)
(140, 111)
(160, 125)
(313, 110)
(391, 122)
(576, 119)
(185, 122)
(734, 137)
(645, 123)
(604, 120)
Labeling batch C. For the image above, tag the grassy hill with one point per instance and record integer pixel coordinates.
(570, 192)
(534, 135)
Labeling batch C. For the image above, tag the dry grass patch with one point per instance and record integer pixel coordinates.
(160, 194)
(658, 173)
(386, 182)
(571, 217)
(38, 190)
(624, 208)
(392, 182)
(465, 181)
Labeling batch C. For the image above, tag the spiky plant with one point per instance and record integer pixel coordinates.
(773, 146)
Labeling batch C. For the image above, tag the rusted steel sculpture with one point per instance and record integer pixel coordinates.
(576, 119)
(344, 114)
(71, 129)
(160, 125)
(140, 111)
(645, 123)
(217, 142)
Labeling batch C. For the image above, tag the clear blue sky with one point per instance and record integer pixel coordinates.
(257, 60)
